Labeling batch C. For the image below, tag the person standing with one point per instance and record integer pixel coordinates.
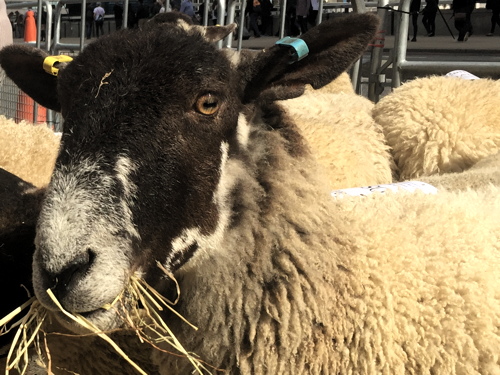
(302, 12)
(118, 11)
(142, 14)
(12, 19)
(20, 25)
(43, 30)
(254, 10)
(462, 11)
(156, 8)
(291, 27)
(429, 19)
(414, 11)
(188, 9)
(266, 17)
(89, 20)
(99, 19)
(494, 6)
(313, 13)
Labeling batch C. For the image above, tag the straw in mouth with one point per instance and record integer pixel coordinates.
(143, 316)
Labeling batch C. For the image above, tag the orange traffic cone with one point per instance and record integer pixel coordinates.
(25, 109)
(30, 27)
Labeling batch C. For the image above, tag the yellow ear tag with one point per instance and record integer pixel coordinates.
(50, 62)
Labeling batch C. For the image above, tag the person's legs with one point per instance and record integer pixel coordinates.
(291, 26)
(101, 28)
(495, 19)
(425, 22)
(414, 20)
(253, 24)
(302, 23)
(432, 24)
(88, 29)
(468, 21)
(460, 26)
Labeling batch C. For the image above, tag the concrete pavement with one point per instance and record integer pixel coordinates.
(477, 44)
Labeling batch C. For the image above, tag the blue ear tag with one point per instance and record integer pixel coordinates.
(297, 48)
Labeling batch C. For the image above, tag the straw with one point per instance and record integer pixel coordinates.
(143, 317)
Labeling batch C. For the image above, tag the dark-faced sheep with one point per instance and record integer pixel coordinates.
(173, 152)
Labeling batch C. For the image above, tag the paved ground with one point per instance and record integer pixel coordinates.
(477, 44)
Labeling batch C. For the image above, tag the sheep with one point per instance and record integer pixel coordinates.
(350, 136)
(440, 133)
(26, 163)
(213, 179)
(485, 172)
(28, 151)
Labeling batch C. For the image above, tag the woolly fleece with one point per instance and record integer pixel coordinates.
(29, 151)
(388, 284)
(342, 135)
(438, 125)
(485, 172)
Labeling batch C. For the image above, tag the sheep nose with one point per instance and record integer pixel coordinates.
(74, 271)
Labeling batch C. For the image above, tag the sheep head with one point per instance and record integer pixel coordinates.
(151, 120)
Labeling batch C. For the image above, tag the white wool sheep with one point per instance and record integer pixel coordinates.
(278, 277)
(446, 131)
(344, 138)
(28, 151)
(484, 172)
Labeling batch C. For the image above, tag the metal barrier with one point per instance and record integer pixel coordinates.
(403, 68)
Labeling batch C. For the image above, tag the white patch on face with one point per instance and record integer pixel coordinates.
(124, 167)
(211, 242)
(81, 215)
(243, 131)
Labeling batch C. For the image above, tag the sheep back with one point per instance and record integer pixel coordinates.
(438, 125)
(342, 135)
(28, 151)
(482, 174)
(391, 284)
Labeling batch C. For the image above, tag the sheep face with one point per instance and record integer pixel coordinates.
(139, 178)
(152, 119)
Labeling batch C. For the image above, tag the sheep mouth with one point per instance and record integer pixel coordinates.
(109, 316)
(100, 319)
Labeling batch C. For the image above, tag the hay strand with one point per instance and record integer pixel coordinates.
(15, 312)
(26, 334)
(91, 327)
(143, 316)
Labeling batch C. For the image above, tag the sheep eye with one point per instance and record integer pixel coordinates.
(207, 104)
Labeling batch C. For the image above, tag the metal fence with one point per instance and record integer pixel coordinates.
(15, 104)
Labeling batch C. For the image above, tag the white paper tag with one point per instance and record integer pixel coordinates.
(410, 186)
(462, 74)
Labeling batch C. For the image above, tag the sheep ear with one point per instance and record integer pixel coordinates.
(216, 33)
(176, 19)
(24, 65)
(333, 46)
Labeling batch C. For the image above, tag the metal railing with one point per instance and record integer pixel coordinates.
(403, 67)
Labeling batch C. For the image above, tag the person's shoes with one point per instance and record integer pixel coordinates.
(430, 34)
(414, 39)
(466, 36)
(489, 34)
(257, 36)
